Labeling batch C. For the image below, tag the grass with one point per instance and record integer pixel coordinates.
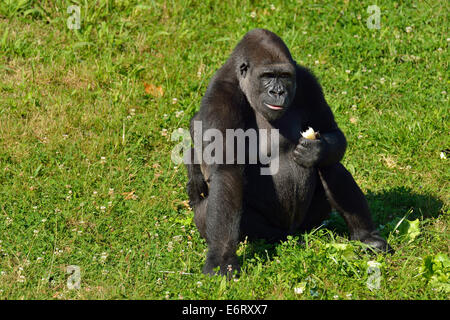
(85, 172)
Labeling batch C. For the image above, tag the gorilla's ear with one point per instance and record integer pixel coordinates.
(243, 67)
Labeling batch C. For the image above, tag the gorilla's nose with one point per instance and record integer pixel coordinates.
(276, 92)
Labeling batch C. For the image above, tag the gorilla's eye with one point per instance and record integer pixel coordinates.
(285, 75)
(276, 75)
(268, 75)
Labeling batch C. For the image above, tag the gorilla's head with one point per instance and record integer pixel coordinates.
(266, 73)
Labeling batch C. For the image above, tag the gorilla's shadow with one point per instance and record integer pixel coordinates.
(390, 205)
(386, 206)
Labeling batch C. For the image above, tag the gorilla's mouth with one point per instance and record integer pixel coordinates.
(273, 107)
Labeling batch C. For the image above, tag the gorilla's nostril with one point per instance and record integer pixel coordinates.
(276, 92)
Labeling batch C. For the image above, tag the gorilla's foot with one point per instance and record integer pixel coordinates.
(227, 266)
(375, 241)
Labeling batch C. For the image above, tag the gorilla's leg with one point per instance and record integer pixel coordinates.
(200, 217)
(217, 214)
(345, 195)
(254, 226)
(318, 211)
(197, 190)
(221, 216)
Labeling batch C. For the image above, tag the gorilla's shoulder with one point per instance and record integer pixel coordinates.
(224, 105)
(308, 85)
(223, 89)
(305, 75)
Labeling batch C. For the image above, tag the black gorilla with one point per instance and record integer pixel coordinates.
(261, 87)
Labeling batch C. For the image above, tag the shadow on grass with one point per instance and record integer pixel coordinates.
(397, 202)
(390, 205)
(386, 206)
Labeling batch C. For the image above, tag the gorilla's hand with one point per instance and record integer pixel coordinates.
(310, 153)
(228, 265)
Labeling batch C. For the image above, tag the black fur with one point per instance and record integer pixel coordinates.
(232, 201)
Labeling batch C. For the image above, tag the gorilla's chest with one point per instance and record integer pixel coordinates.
(285, 195)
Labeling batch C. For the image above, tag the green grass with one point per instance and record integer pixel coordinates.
(85, 172)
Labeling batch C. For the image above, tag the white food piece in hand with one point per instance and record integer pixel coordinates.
(309, 134)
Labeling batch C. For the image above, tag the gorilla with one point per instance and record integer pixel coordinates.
(260, 86)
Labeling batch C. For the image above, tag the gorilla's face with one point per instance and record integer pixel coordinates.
(270, 89)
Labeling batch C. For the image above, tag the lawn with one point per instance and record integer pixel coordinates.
(86, 177)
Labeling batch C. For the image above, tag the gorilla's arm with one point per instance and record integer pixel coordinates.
(316, 113)
(223, 216)
(335, 146)
(222, 108)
